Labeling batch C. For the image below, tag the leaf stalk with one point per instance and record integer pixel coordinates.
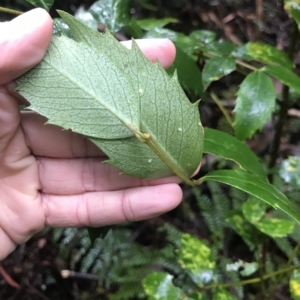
(10, 11)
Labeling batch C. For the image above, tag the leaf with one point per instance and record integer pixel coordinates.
(290, 171)
(205, 36)
(295, 285)
(196, 258)
(224, 145)
(61, 28)
(112, 13)
(215, 68)
(86, 17)
(284, 75)
(150, 23)
(254, 209)
(159, 286)
(263, 53)
(120, 100)
(222, 294)
(275, 227)
(46, 4)
(189, 74)
(256, 187)
(244, 268)
(254, 104)
(293, 8)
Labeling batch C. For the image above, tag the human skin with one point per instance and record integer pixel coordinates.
(50, 177)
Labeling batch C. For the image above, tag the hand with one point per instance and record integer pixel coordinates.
(50, 177)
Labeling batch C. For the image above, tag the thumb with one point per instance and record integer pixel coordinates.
(23, 43)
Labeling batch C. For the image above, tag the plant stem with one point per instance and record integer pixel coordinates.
(284, 106)
(242, 63)
(249, 281)
(222, 108)
(10, 11)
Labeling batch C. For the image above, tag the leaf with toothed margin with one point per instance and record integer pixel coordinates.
(125, 104)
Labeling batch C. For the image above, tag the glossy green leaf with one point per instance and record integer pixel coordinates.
(86, 17)
(205, 36)
(244, 229)
(159, 286)
(264, 53)
(217, 67)
(196, 258)
(256, 187)
(148, 24)
(112, 13)
(222, 294)
(188, 73)
(254, 104)
(61, 28)
(119, 99)
(284, 75)
(290, 171)
(224, 145)
(293, 8)
(254, 209)
(275, 227)
(46, 4)
(295, 285)
(221, 48)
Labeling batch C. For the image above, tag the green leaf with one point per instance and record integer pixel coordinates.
(224, 145)
(254, 209)
(61, 28)
(256, 187)
(222, 294)
(196, 258)
(244, 268)
(86, 17)
(148, 24)
(290, 171)
(221, 48)
(293, 8)
(46, 4)
(275, 227)
(284, 75)
(97, 87)
(204, 36)
(254, 104)
(217, 67)
(159, 286)
(263, 53)
(112, 13)
(295, 285)
(189, 74)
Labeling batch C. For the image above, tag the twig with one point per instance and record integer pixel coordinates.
(72, 274)
(222, 108)
(10, 11)
(8, 278)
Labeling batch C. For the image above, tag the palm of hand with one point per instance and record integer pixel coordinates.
(54, 177)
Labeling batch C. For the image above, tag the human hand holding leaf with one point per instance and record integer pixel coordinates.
(54, 177)
(125, 104)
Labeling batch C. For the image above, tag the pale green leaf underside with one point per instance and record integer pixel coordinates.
(97, 87)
